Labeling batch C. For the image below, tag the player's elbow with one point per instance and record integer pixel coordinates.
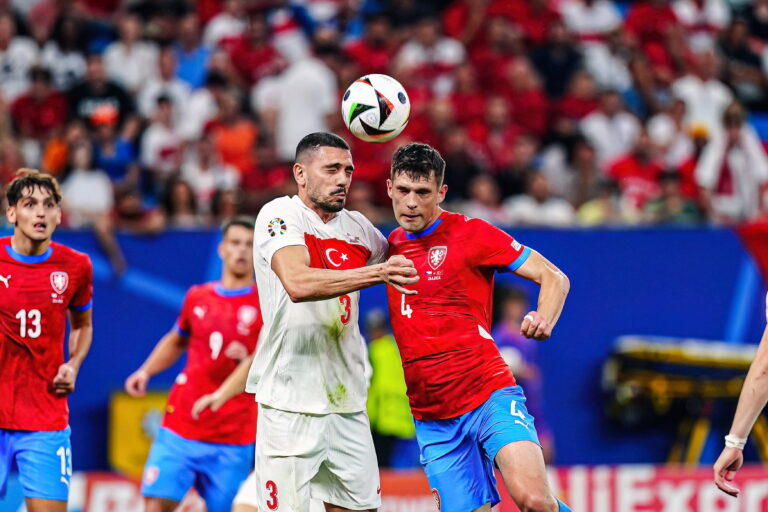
(297, 292)
(565, 283)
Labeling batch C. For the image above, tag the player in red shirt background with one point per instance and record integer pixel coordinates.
(468, 409)
(218, 326)
(41, 282)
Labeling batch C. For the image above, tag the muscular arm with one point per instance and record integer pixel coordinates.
(80, 338)
(554, 289)
(230, 388)
(752, 400)
(304, 283)
(167, 351)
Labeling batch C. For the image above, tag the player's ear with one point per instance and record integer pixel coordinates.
(299, 174)
(58, 214)
(10, 214)
(441, 193)
(389, 188)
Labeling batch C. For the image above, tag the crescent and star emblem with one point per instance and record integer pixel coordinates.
(329, 252)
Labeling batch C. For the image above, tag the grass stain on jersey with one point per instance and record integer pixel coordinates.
(337, 395)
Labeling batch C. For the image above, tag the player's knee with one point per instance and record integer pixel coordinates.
(538, 502)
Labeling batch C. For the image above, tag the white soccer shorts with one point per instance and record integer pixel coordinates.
(248, 496)
(328, 457)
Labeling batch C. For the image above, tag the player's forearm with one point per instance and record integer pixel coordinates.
(555, 286)
(164, 355)
(235, 383)
(311, 284)
(754, 393)
(79, 345)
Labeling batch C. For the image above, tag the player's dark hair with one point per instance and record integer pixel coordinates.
(245, 221)
(31, 179)
(419, 162)
(317, 140)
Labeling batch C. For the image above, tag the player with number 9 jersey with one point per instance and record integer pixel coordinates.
(42, 284)
(218, 327)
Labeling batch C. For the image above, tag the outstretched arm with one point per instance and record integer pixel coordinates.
(752, 400)
(554, 289)
(167, 351)
(231, 387)
(304, 283)
(80, 338)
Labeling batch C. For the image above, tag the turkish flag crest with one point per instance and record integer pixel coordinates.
(436, 256)
(59, 282)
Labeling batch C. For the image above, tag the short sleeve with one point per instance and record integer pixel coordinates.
(375, 240)
(183, 324)
(277, 226)
(82, 300)
(494, 248)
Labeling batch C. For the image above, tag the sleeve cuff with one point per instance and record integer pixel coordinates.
(84, 307)
(520, 259)
(181, 331)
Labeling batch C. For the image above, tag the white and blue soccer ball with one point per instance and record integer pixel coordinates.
(375, 108)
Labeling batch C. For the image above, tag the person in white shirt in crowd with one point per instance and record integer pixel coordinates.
(732, 169)
(537, 207)
(430, 49)
(590, 21)
(88, 191)
(228, 24)
(164, 83)
(485, 201)
(130, 61)
(302, 99)
(670, 135)
(610, 129)
(17, 55)
(63, 54)
(161, 146)
(206, 174)
(202, 106)
(702, 19)
(607, 61)
(704, 95)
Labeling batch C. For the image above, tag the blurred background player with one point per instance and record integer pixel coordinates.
(311, 258)
(470, 414)
(752, 400)
(219, 326)
(521, 355)
(41, 284)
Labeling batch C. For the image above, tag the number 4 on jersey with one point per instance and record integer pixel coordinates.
(405, 309)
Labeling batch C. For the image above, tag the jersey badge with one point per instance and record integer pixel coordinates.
(5, 279)
(199, 312)
(436, 256)
(246, 315)
(516, 245)
(59, 282)
(330, 254)
(276, 227)
(353, 239)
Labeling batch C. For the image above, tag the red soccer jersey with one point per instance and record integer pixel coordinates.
(222, 326)
(451, 363)
(36, 292)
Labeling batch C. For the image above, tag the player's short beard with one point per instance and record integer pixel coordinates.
(324, 204)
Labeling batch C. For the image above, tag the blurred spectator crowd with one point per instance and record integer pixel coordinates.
(179, 113)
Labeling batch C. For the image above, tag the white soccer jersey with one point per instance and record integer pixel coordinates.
(311, 357)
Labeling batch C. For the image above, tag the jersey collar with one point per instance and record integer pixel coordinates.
(426, 231)
(29, 258)
(232, 292)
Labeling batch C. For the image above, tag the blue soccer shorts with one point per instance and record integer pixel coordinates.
(43, 460)
(458, 453)
(216, 470)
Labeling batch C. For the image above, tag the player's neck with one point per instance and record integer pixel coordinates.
(429, 223)
(232, 282)
(28, 247)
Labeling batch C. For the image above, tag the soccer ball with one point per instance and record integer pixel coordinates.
(376, 108)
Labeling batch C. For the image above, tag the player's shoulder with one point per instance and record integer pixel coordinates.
(357, 220)
(459, 221)
(68, 254)
(396, 235)
(277, 205)
(198, 291)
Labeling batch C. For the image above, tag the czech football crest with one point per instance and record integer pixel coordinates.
(59, 282)
(436, 256)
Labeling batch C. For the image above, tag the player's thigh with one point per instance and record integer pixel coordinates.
(522, 467)
(169, 471)
(460, 475)
(44, 459)
(160, 505)
(349, 477)
(6, 459)
(246, 499)
(289, 451)
(40, 505)
(220, 473)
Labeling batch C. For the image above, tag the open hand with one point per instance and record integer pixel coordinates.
(725, 469)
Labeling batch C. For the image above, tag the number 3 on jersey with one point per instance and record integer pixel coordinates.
(346, 303)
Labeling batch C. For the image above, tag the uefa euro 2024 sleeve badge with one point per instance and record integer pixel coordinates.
(276, 227)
